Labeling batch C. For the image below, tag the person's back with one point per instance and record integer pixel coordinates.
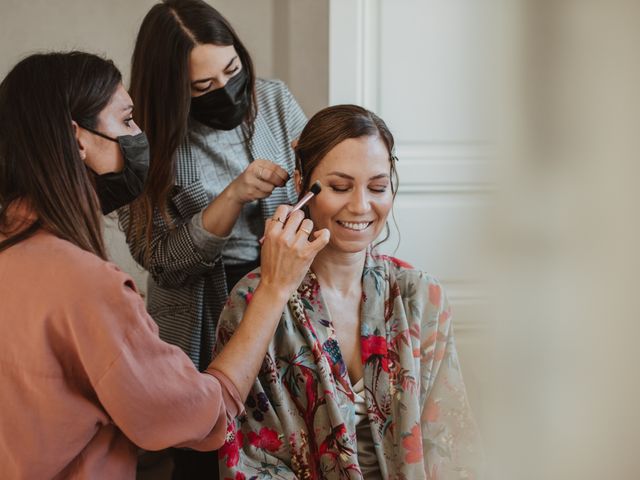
(53, 422)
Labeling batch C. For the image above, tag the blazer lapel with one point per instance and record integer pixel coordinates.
(264, 145)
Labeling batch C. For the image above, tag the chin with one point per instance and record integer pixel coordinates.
(351, 247)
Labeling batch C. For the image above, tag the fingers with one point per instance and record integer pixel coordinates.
(277, 222)
(287, 252)
(261, 189)
(296, 230)
(293, 223)
(305, 229)
(267, 171)
(299, 228)
(321, 239)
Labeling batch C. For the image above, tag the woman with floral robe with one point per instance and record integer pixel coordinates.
(301, 415)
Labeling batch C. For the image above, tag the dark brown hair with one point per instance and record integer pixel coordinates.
(333, 125)
(39, 157)
(161, 92)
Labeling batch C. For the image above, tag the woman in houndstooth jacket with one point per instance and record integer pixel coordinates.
(220, 164)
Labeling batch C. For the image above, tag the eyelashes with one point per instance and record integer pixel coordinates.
(207, 87)
(343, 189)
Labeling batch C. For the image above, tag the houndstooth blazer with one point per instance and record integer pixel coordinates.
(187, 290)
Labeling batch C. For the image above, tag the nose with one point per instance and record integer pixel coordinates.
(136, 128)
(359, 203)
(222, 81)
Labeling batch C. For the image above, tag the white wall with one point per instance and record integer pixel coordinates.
(107, 28)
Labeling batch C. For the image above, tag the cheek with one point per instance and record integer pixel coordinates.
(321, 210)
(383, 208)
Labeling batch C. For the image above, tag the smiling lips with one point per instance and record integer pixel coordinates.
(357, 226)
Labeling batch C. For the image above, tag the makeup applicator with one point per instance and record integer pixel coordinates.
(314, 190)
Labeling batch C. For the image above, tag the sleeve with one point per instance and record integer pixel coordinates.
(255, 444)
(178, 253)
(150, 389)
(207, 243)
(450, 438)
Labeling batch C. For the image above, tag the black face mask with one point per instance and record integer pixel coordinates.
(223, 108)
(116, 189)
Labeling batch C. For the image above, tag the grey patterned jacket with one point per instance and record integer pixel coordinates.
(187, 286)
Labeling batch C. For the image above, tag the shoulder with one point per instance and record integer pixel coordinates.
(272, 94)
(414, 284)
(271, 87)
(236, 304)
(403, 271)
(74, 273)
(243, 291)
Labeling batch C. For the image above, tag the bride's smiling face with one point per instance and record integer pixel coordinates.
(356, 194)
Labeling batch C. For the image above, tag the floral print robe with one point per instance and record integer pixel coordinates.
(300, 416)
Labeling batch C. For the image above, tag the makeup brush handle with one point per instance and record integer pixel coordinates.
(297, 206)
(301, 203)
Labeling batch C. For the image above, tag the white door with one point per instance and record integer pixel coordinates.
(419, 64)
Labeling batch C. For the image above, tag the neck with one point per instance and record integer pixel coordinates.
(339, 271)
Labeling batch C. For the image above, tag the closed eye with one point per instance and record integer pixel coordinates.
(204, 88)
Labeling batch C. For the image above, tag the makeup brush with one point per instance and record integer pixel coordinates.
(314, 190)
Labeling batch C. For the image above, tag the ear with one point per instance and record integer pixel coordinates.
(297, 181)
(79, 139)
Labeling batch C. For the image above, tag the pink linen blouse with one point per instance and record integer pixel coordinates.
(85, 377)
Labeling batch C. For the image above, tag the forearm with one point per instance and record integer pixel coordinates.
(221, 214)
(173, 256)
(242, 356)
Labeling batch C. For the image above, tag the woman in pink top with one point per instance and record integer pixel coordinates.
(85, 377)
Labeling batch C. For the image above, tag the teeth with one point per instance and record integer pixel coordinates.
(355, 225)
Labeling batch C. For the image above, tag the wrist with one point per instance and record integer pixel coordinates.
(272, 293)
(231, 196)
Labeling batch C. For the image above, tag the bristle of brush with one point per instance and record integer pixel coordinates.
(316, 187)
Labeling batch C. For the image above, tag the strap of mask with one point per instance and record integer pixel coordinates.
(95, 132)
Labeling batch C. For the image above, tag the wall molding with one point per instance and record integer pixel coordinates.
(444, 168)
(354, 64)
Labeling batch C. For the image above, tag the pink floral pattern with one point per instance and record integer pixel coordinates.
(416, 400)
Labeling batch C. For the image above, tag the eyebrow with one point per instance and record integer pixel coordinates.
(349, 177)
(202, 80)
(127, 108)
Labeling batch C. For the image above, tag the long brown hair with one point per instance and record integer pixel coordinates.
(331, 126)
(161, 92)
(39, 157)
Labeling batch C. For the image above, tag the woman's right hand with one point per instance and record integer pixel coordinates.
(287, 252)
(257, 181)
